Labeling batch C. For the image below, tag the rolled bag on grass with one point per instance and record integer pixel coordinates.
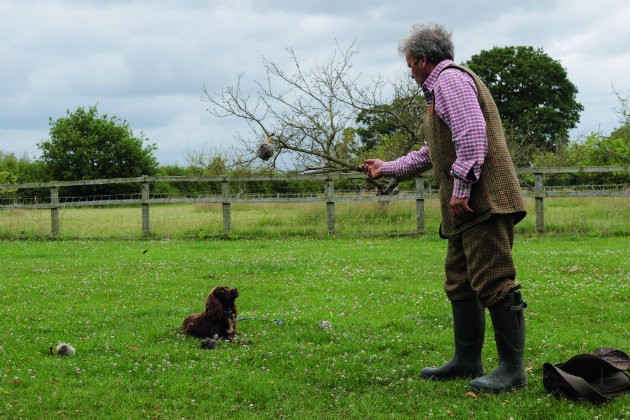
(597, 377)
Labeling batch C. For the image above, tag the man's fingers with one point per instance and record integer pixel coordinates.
(460, 210)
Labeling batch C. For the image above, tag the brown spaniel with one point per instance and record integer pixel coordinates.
(219, 318)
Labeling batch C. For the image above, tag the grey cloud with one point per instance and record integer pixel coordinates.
(147, 61)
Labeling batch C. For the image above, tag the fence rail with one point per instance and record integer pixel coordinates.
(227, 197)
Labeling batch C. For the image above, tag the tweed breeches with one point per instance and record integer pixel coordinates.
(479, 262)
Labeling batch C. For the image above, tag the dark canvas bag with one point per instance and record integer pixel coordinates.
(596, 377)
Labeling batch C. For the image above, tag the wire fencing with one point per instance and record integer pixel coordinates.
(225, 206)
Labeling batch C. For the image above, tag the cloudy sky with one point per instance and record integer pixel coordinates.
(147, 61)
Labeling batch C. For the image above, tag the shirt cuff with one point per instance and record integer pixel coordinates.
(461, 189)
(388, 169)
(467, 170)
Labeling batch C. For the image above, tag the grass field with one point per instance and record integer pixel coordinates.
(121, 303)
(576, 216)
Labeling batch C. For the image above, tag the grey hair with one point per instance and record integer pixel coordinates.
(432, 41)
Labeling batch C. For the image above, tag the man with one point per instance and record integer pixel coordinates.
(480, 202)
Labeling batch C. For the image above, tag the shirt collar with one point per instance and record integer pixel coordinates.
(429, 84)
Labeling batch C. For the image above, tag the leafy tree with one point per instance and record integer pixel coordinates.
(7, 178)
(536, 100)
(393, 129)
(595, 150)
(389, 119)
(613, 150)
(20, 170)
(23, 168)
(84, 145)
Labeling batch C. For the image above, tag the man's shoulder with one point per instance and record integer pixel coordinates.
(455, 72)
(454, 77)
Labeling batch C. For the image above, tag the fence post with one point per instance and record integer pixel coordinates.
(330, 205)
(54, 211)
(227, 217)
(420, 194)
(539, 194)
(146, 227)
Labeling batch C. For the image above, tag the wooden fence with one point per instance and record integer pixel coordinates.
(227, 197)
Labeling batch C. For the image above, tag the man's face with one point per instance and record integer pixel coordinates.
(420, 70)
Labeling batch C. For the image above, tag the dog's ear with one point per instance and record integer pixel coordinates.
(214, 307)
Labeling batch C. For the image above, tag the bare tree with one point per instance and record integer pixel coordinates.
(308, 111)
(623, 109)
(210, 160)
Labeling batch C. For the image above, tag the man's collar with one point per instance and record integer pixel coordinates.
(429, 84)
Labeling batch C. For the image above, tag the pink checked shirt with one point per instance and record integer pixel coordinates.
(455, 97)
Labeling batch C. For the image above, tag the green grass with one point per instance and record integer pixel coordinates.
(122, 308)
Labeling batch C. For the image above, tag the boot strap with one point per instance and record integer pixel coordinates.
(518, 307)
(520, 304)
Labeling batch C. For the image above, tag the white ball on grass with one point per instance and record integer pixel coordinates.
(324, 324)
(65, 349)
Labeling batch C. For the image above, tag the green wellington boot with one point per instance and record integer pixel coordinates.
(508, 322)
(469, 325)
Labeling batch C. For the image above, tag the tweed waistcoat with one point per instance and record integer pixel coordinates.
(497, 191)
